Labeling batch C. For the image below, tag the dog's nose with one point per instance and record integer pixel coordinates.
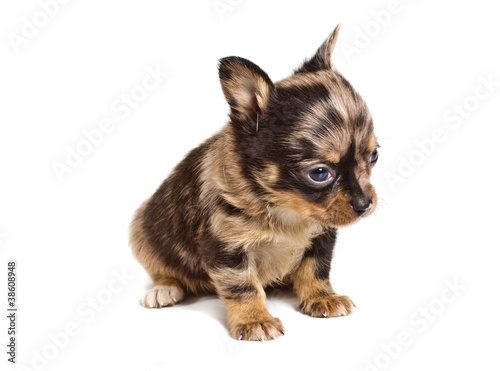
(361, 205)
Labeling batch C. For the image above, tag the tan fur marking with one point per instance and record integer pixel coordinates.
(270, 174)
(250, 320)
(247, 88)
(317, 297)
(333, 157)
(307, 285)
(372, 144)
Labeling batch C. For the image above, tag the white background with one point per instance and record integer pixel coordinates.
(438, 224)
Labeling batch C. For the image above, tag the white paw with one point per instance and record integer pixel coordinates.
(162, 296)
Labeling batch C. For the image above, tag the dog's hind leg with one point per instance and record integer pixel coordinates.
(166, 292)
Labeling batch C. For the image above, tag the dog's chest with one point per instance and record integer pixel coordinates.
(274, 261)
(277, 258)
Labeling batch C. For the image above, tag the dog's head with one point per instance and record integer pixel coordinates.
(305, 142)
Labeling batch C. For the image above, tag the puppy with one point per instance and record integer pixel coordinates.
(259, 203)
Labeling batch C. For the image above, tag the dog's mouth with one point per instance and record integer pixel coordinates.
(339, 211)
(342, 212)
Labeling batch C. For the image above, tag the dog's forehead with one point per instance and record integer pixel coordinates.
(327, 113)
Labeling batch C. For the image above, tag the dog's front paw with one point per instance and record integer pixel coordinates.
(328, 306)
(268, 328)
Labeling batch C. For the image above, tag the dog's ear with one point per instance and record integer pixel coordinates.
(322, 60)
(246, 87)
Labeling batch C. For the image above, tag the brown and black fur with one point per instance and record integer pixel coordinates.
(241, 212)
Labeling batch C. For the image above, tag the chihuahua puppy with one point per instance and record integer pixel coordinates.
(259, 203)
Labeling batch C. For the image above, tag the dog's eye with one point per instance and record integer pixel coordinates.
(319, 173)
(374, 157)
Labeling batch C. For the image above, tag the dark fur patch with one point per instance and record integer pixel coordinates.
(217, 257)
(229, 209)
(322, 252)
